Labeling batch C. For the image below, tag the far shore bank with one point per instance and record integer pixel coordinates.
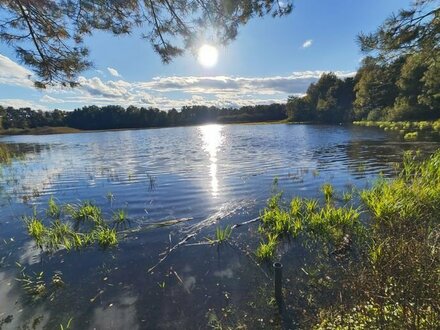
(47, 130)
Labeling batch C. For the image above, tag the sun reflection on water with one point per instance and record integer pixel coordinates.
(212, 140)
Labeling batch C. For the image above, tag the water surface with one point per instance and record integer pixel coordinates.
(216, 175)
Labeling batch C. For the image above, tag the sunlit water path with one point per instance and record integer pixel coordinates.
(216, 175)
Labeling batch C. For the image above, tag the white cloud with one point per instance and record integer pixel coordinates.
(20, 103)
(50, 99)
(113, 72)
(307, 43)
(12, 73)
(162, 92)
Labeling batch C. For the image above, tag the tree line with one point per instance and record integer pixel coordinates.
(114, 116)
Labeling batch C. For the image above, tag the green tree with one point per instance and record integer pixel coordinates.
(48, 35)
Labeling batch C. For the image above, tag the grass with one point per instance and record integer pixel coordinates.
(5, 155)
(411, 136)
(409, 130)
(85, 212)
(39, 131)
(222, 235)
(106, 237)
(53, 210)
(327, 190)
(84, 227)
(120, 216)
(381, 272)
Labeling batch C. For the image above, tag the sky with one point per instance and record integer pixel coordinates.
(268, 61)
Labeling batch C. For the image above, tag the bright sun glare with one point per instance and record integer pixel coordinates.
(208, 56)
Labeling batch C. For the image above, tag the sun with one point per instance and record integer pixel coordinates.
(208, 56)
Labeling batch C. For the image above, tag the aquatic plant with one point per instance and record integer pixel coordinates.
(222, 235)
(266, 250)
(411, 136)
(85, 212)
(5, 155)
(85, 226)
(105, 237)
(110, 197)
(67, 326)
(120, 216)
(53, 210)
(386, 264)
(35, 228)
(327, 190)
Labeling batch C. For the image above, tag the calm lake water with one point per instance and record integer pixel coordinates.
(216, 175)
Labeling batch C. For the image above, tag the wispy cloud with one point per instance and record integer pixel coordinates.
(113, 72)
(307, 43)
(163, 92)
(20, 103)
(12, 73)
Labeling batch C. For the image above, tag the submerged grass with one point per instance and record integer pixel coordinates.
(383, 271)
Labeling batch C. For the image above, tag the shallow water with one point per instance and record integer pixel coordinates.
(216, 175)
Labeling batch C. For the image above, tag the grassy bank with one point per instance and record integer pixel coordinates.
(39, 131)
(374, 258)
(409, 130)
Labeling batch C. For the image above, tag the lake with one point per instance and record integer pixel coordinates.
(216, 175)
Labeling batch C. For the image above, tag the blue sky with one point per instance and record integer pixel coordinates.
(267, 62)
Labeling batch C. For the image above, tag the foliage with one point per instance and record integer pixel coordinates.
(53, 210)
(383, 271)
(48, 36)
(84, 227)
(85, 212)
(408, 130)
(329, 100)
(222, 235)
(5, 155)
(114, 117)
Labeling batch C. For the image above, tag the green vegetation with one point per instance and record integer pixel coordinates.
(105, 236)
(53, 210)
(37, 284)
(44, 130)
(28, 121)
(385, 269)
(5, 155)
(222, 235)
(85, 212)
(83, 226)
(411, 136)
(120, 217)
(328, 192)
(407, 129)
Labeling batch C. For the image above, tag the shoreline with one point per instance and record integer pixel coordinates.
(48, 130)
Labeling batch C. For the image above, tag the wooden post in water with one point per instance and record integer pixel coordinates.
(278, 268)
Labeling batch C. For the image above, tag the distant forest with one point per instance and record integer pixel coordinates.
(113, 116)
(404, 89)
(400, 82)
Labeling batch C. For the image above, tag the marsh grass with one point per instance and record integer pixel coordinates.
(105, 236)
(53, 210)
(408, 130)
(85, 212)
(120, 217)
(36, 284)
(411, 136)
(83, 227)
(381, 272)
(5, 155)
(222, 235)
(328, 191)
